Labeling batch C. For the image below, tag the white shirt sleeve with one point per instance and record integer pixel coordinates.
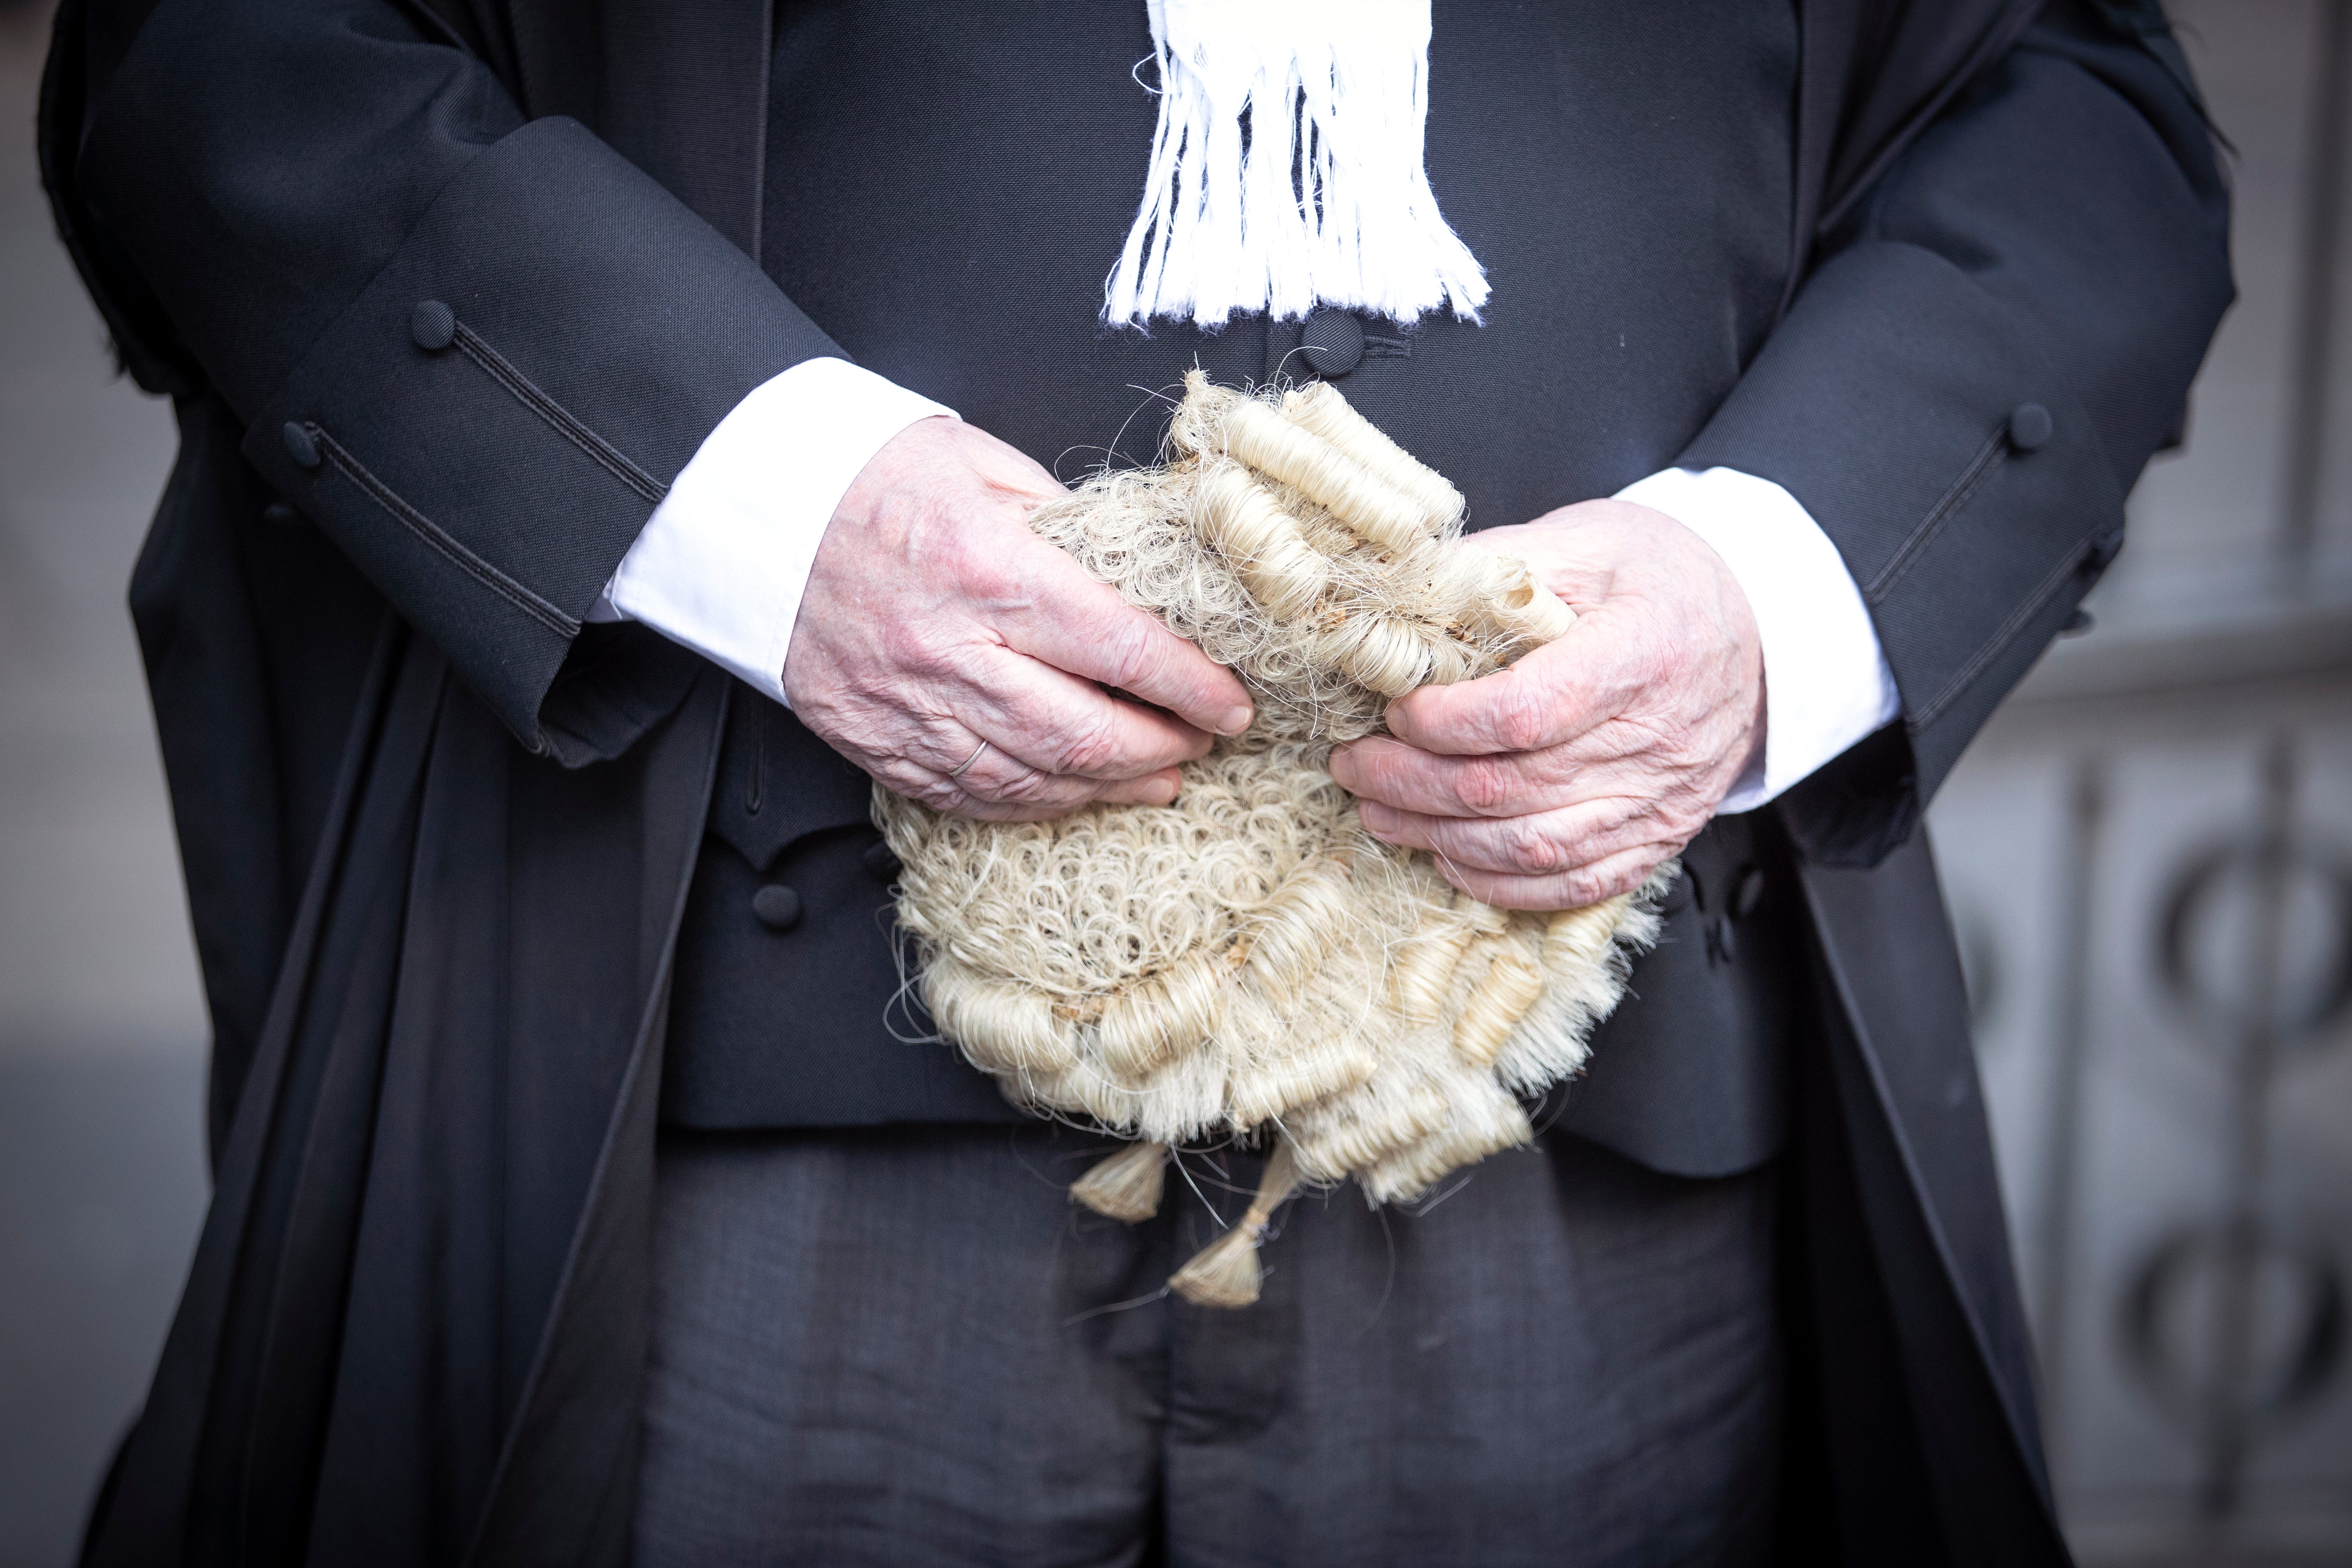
(1826, 681)
(721, 565)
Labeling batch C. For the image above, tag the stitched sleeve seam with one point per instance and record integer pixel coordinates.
(440, 541)
(528, 393)
(1949, 506)
(2000, 639)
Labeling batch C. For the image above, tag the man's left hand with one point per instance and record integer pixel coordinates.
(1572, 775)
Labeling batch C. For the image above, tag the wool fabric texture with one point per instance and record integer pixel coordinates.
(1248, 957)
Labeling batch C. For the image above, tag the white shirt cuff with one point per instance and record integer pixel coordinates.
(721, 565)
(1826, 681)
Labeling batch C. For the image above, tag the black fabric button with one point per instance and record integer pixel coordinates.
(277, 514)
(299, 446)
(2078, 623)
(2029, 427)
(2104, 551)
(778, 907)
(1333, 342)
(1682, 893)
(1747, 892)
(433, 324)
(879, 862)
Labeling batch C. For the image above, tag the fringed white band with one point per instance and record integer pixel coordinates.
(1287, 168)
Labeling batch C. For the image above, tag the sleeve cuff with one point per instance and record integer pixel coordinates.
(1826, 679)
(724, 560)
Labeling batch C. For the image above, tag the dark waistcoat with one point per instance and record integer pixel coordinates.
(944, 195)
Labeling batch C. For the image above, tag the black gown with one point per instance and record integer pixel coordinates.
(440, 838)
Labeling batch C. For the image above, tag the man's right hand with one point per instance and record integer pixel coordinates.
(934, 620)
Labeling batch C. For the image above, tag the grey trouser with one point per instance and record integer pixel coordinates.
(906, 1346)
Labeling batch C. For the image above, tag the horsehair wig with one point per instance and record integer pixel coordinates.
(1249, 957)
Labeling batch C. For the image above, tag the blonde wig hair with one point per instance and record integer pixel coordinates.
(1248, 961)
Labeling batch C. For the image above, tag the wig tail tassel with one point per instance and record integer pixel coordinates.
(1225, 1272)
(1125, 1186)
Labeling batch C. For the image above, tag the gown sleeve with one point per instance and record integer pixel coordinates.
(1967, 386)
(474, 349)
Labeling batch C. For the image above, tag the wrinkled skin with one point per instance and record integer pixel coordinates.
(1572, 775)
(934, 620)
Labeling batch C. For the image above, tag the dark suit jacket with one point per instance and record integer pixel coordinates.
(439, 837)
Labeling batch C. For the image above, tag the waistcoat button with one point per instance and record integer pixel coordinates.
(433, 324)
(1333, 342)
(299, 446)
(777, 906)
(2029, 427)
(1748, 892)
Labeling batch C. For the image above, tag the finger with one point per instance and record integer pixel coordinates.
(1007, 780)
(995, 774)
(1157, 789)
(1381, 769)
(1619, 873)
(1073, 623)
(1617, 759)
(1555, 694)
(1058, 799)
(985, 781)
(1542, 843)
(995, 778)
(1060, 724)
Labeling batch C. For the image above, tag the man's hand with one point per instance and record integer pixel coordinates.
(934, 620)
(1569, 777)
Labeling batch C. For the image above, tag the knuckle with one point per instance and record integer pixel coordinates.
(1581, 888)
(1482, 785)
(1088, 746)
(1532, 849)
(985, 573)
(1052, 795)
(1615, 815)
(1522, 715)
(1026, 788)
(1596, 883)
(1133, 655)
(913, 651)
(1585, 845)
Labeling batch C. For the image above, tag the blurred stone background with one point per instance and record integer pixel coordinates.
(2150, 853)
(102, 1027)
